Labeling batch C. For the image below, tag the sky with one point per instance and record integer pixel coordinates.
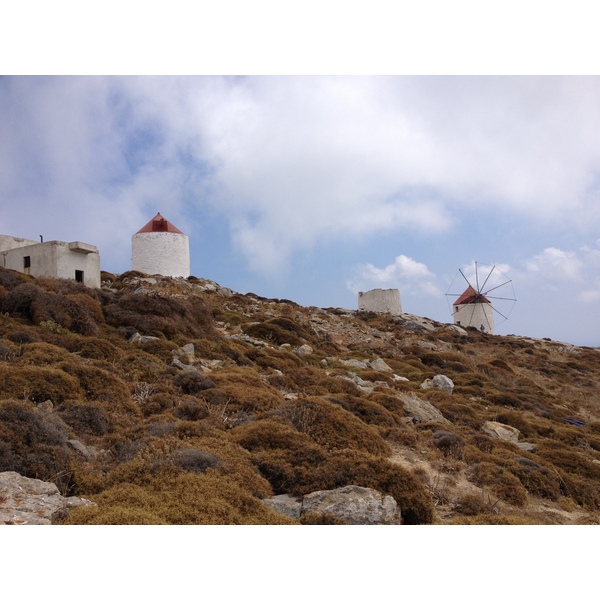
(313, 188)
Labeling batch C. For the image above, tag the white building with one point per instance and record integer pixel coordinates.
(159, 248)
(473, 309)
(63, 260)
(380, 301)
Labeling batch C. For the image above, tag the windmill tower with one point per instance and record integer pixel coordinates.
(473, 308)
(159, 248)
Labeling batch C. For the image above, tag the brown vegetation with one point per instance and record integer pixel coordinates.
(251, 419)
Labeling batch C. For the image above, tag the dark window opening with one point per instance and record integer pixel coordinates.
(79, 276)
(26, 264)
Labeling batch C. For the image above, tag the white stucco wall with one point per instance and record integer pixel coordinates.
(161, 253)
(56, 259)
(475, 315)
(380, 301)
(8, 242)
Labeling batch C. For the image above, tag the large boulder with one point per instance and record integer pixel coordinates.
(440, 382)
(380, 365)
(422, 411)
(25, 501)
(501, 431)
(355, 505)
(285, 505)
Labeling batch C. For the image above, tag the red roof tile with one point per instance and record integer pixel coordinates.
(470, 296)
(159, 223)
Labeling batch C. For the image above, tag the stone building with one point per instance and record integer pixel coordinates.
(380, 301)
(63, 260)
(473, 309)
(159, 248)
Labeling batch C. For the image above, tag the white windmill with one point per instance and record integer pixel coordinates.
(473, 307)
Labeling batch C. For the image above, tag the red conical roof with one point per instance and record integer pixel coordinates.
(159, 223)
(470, 296)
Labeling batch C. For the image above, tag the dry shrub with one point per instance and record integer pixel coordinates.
(39, 306)
(162, 349)
(180, 499)
(357, 468)
(449, 444)
(331, 426)
(537, 479)
(241, 389)
(455, 408)
(37, 384)
(98, 349)
(190, 409)
(500, 481)
(158, 403)
(295, 464)
(192, 382)
(141, 367)
(102, 386)
(42, 354)
(167, 315)
(371, 413)
(473, 504)
(23, 336)
(87, 419)
(34, 443)
(568, 460)
(277, 331)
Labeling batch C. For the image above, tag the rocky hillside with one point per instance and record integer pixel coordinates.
(180, 401)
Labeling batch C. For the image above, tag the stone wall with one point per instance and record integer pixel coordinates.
(380, 301)
(161, 253)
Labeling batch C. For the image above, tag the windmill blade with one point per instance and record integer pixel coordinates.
(486, 279)
(498, 286)
(477, 277)
(468, 282)
(503, 316)
(490, 326)
(500, 298)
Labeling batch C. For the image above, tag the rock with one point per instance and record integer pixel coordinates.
(527, 446)
(177, 363)
(355, 505)
(380, 365)
(501, 431)
(440, 382)
(400, 378)
(285, 505)
(414, 322)
(456, 329)
(77, 445)
(136, 338)
(28, 501)
(354, 364)
(422, 411)
(304, 350)
(186, 354)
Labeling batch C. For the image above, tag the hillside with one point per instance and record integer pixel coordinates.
(180, 401)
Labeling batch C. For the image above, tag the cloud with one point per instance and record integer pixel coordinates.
(554, 264)
(291, 162)
(404, 273)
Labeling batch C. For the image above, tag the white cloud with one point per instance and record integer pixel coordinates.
(404, 273)
(292, 161)
(554, 264)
